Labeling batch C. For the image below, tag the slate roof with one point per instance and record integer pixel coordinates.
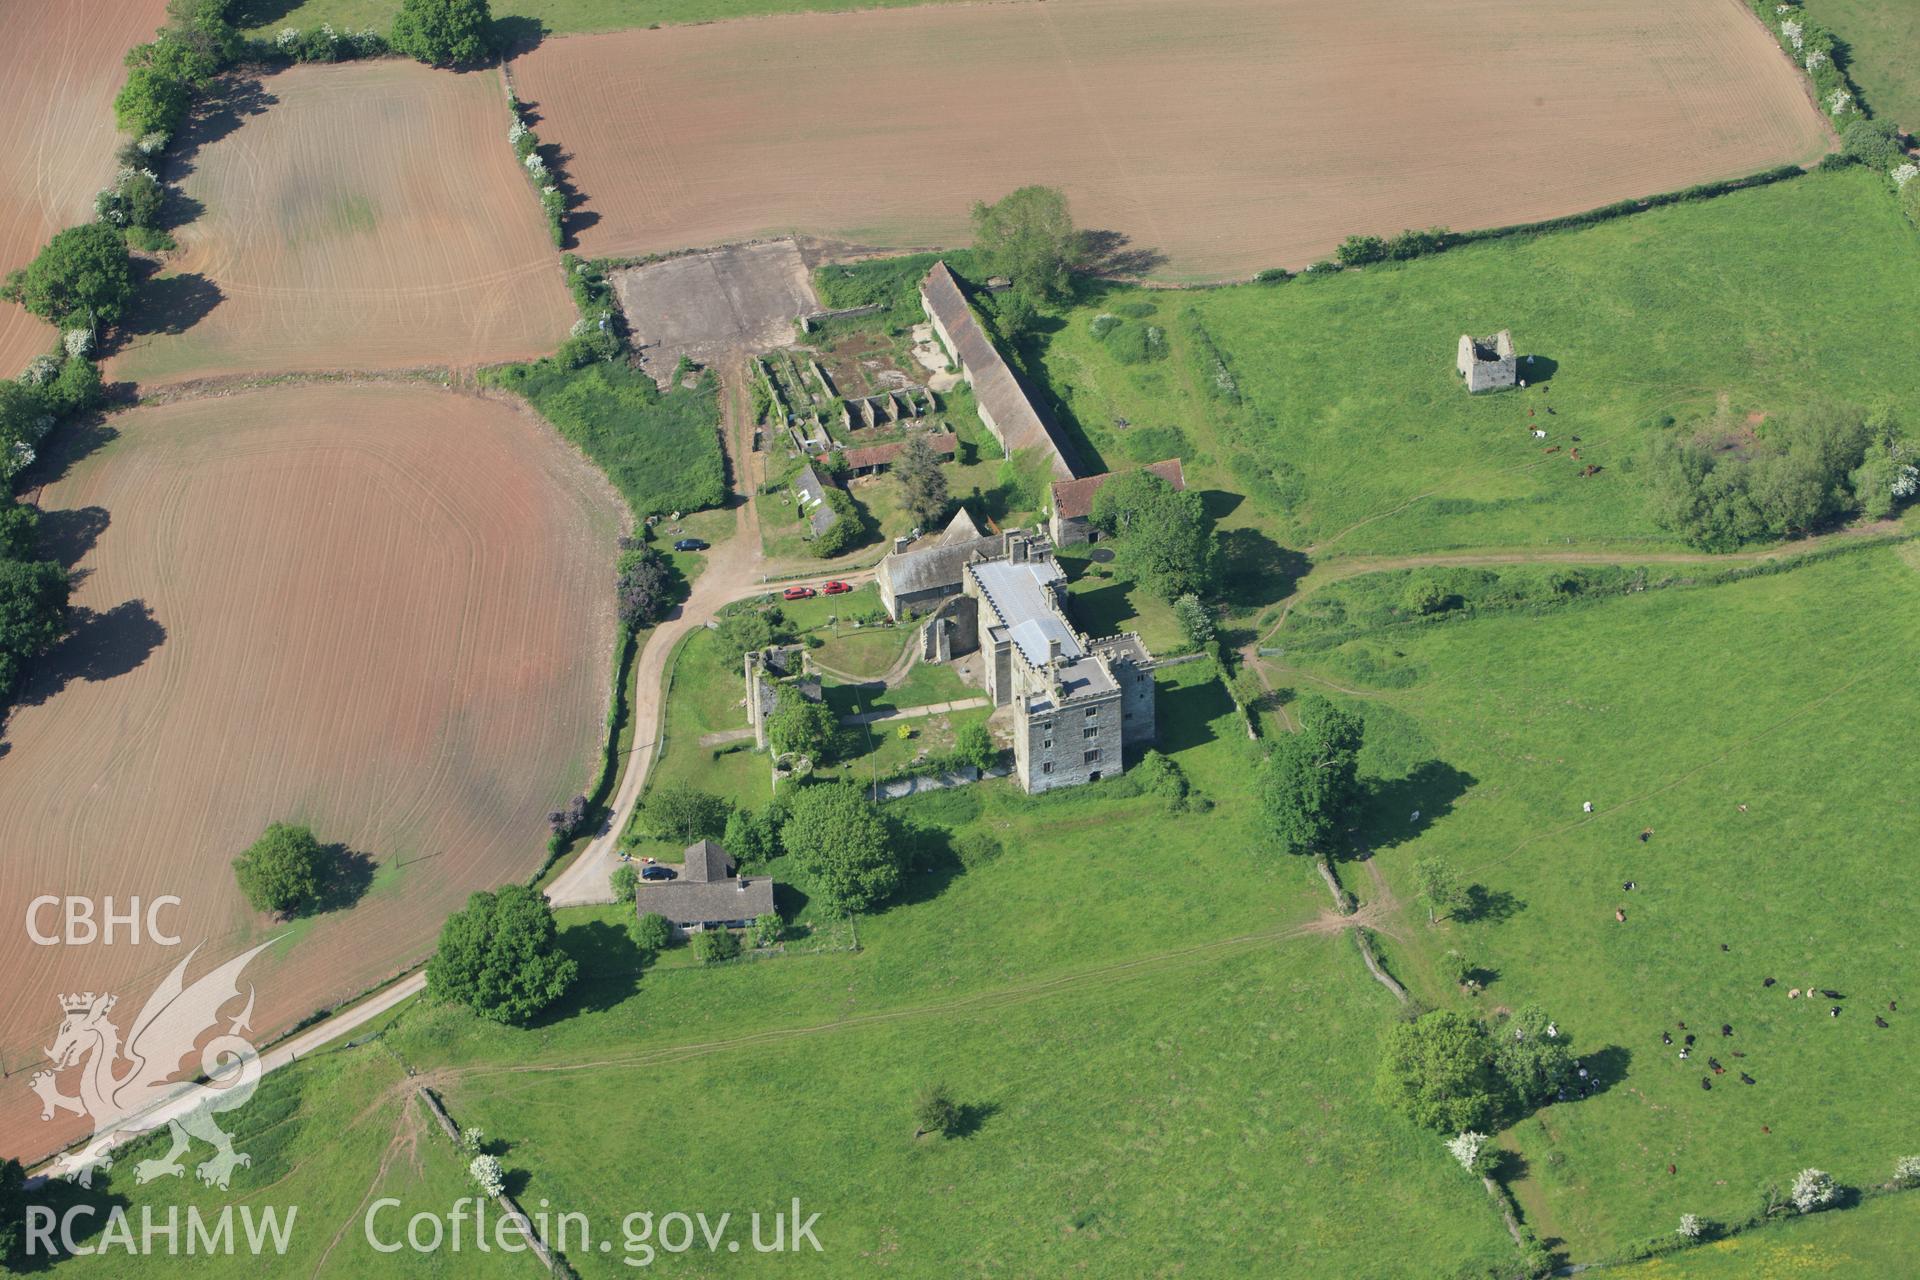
(996, 387)
(706, 892)
(1073, 499)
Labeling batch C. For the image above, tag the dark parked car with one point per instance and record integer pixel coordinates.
(690, 544)
(654, 871)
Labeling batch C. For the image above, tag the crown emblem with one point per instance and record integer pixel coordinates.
(83, 1003)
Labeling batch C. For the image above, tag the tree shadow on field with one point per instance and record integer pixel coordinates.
(258, 13)
(227, 103)
(1113, 253)
(610, 967)
(1429, 790)
(164, 305)
(345, 876)
(66, 445)
(98, 647)
(516, 36)
(67, 536)
(1495, 906)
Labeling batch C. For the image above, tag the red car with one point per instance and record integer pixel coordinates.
(798, 593)
(835, 589)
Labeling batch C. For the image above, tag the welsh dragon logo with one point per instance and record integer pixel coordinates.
(141, 1096)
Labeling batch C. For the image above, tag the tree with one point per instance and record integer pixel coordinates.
(1029, 237)
(1164, 533)
(848, 529)
(151, 101)
(1534, 1064)
(715, 945)
(201, 26)
(486, 1172)
(33, 614)
(1194, 619)
(753, 839)
(282, 871)
(1310, 779)
(747, 631)
(501, 957)
(800, 724)
(1357, 251)
(1422, 597)
(13, 1208)
(923, 485)
(81, 278)
(651, 933)
(1874, 143)
(766, 929)
(644, 587)
(1813, 1190)
(1467, 1148)
(934, 1111)
(443, 33)
(1436, 1070)
(675, 811)
(974, 745)
(1445, 892)
(840, 841)
(625, 881)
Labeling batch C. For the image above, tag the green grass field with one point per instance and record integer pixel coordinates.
(556, 17)
(1881, 37)
(1875, 1239)
(328, 1139)
(1671, 710)
(660, 449)
(1353, 433)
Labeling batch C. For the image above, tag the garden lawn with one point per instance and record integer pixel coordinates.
(661, 449)
(1353, 433)
(328, 1136)
(1756, 729)
(1120, 1123)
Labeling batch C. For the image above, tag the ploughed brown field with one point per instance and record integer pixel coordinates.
(1227, 135)
(359, 216)
(384, 611)
(60, 65)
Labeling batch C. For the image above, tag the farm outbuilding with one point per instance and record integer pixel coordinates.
(1073, 501)
(1488, 364)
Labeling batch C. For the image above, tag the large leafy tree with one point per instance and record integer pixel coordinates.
(33, 615)
(676, 811)
(501, 956)
(13, 1209)
(1438, 1070)
(1533, 1064)
(840, 840)
(1029, 237)
(923, 485)
(443, 33)
(1163, 533)
(282, 871)
(81, 278)
(1309, 781)
(799, 724)
(644, 587)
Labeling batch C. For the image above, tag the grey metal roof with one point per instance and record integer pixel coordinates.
(940, 567)
(1021, 597)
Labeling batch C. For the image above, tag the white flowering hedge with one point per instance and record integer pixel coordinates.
(1690, 1228)
(1904, 174)
(1906, 1170)
(1813, 1189)
(487, 1172)
(77, 342)
(1466, 1148)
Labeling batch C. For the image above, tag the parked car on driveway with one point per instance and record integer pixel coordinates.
(690, 544)
(798, 593)
(835, 589)
(654, 871)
